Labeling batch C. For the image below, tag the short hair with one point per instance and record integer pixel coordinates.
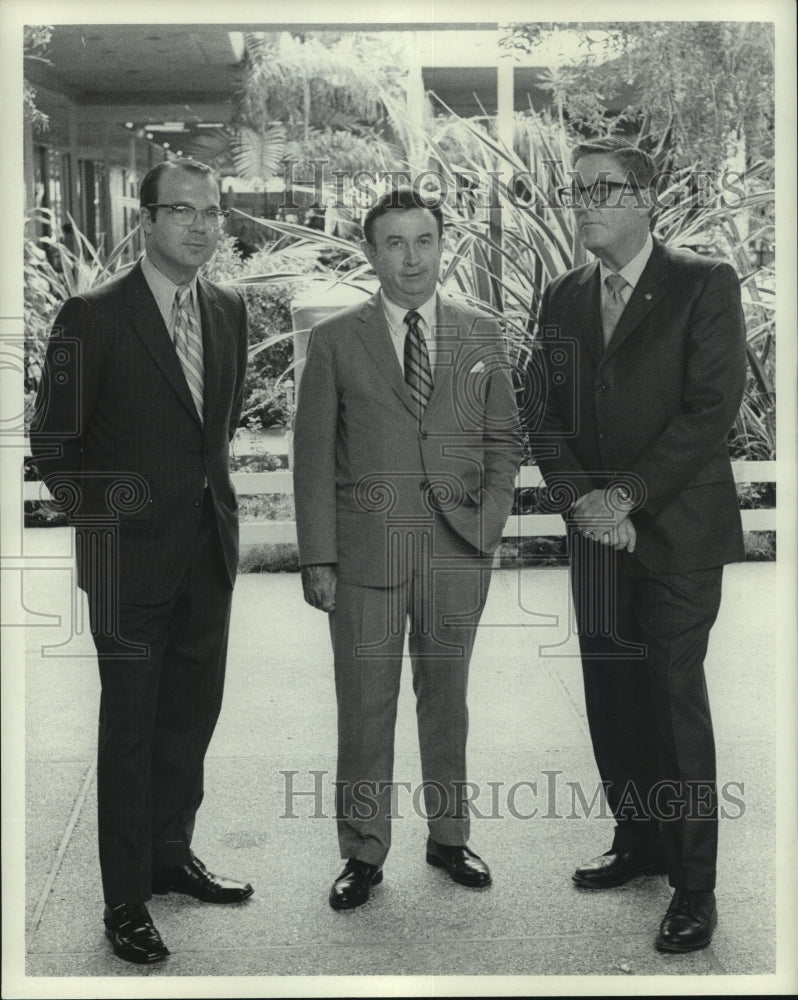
(400, 199)
(636, 161)
(148, 192)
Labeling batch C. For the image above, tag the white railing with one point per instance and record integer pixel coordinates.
(518, 525)
(267, 532)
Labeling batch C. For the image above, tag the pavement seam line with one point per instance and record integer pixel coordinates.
(579, 715)
(38, 913)
(715, 962)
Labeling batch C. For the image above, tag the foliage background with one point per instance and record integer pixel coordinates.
(698, 95)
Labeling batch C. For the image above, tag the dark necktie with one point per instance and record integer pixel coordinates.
(188, 344)
(418, 374)
(613, 304)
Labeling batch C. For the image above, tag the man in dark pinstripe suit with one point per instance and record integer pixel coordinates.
(141, 394)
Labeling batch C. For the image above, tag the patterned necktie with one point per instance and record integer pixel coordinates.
(418, 374)
(188, 344)
(613, 304)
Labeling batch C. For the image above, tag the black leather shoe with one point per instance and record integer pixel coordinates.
(616, 868)
(352, 886)
(195, 880)
(462, 864)
(689, 922)
(133, 934)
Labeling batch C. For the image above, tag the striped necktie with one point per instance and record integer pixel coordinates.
(188, 344)
(418, 374)
(613, 304)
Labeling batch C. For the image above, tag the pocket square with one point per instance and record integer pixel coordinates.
(478, 367)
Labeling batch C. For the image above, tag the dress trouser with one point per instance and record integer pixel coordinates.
(442, 604)
(157, 716)
(643, 638)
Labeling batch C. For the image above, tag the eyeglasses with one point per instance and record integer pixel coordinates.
(187, 215)
(598, 193)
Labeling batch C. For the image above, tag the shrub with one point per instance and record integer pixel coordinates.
(268, 389)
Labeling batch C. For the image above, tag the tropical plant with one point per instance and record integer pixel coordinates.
(253, 154)
(280, 273)
(703, 220)
(53, 272)
(314, 97)
(36, 40)
(504, 263)
(706, 85)
(507, 237)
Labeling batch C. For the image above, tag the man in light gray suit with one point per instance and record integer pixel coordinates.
(406, 447)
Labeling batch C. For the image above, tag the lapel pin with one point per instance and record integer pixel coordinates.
(647, 296)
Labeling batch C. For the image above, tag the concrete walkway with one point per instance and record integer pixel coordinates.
(276, 737)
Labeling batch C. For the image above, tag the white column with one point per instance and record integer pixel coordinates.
(505, 95)
(132, 164)
(74, 154)
(27, 157)
(415, 93)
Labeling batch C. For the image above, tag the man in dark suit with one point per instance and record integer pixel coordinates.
(141, 394)
(638, 372)
(406, 447)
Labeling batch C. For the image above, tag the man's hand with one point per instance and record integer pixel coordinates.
(605, 524)
(318, 584)
(625, 535)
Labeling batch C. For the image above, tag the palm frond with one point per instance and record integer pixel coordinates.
(257, 155)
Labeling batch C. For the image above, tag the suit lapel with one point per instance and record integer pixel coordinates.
(585, 310)
(148, 324)
(647, 292)
(373, 331)
(449, 334)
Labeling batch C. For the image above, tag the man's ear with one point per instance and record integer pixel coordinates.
(145, 221)
(648, 199)
(368, 251)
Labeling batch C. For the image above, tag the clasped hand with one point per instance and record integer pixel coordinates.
(604, 524)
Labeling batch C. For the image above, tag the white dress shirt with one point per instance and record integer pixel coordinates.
(164, 289)
(630, 273)
(395, 316)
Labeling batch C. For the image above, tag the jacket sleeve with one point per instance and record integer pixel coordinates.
(713, 390)
(315, 435)
(68, 390)
(241, 371)
(503, 447)
(547, 426)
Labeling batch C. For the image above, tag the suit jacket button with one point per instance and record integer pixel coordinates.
(197, 503)
(424, 435)
(423, 485)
